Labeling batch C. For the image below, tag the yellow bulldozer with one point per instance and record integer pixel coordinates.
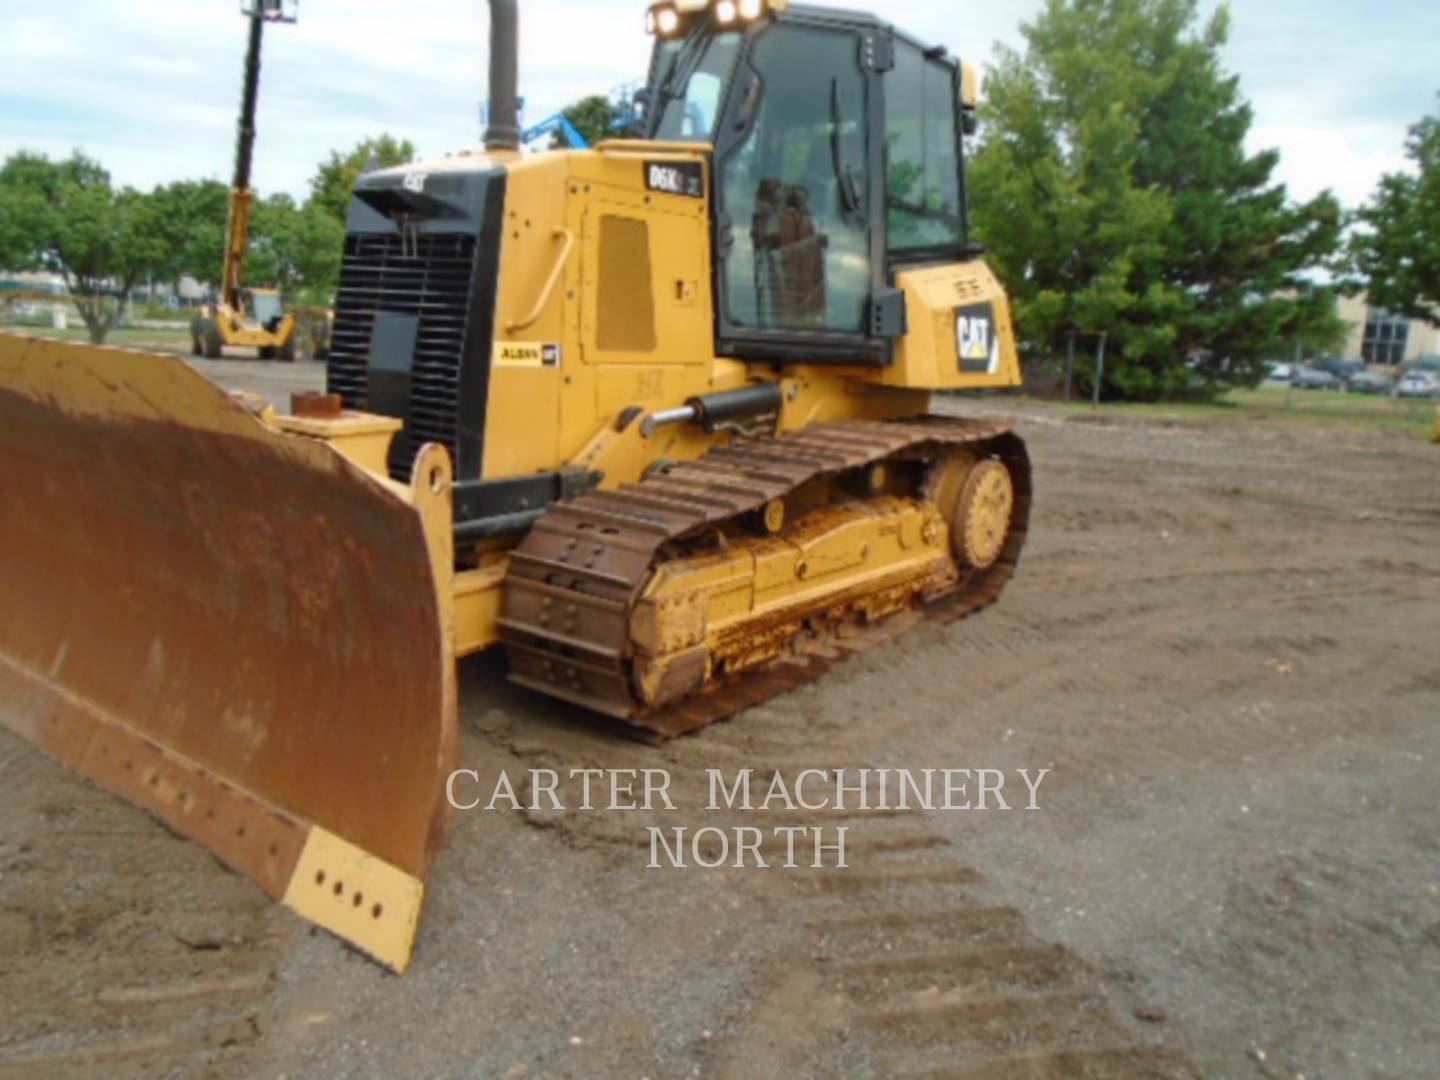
(653, 418)
(246, 316)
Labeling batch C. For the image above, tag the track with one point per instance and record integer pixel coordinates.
(575, 579)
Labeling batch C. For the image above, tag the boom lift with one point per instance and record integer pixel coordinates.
(246, 316)
(652, 417)
(561, 123)
(623, 117)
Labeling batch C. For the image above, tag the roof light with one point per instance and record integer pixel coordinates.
(969, 85)
(667, 20)
(751, 9)
(725, 12)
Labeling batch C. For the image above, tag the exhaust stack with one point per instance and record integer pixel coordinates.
(503, 132)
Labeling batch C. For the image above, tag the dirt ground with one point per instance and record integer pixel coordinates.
(1224, 641)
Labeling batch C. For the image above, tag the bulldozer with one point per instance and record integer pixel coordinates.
(653, 418)
(247, 316)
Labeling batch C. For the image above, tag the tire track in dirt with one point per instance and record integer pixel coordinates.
(912, 975)
(897, 966)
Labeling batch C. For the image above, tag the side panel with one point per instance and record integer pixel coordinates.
(635, 229)
(534, 347)
(961, 335)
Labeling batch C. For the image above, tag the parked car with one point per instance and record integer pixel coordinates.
(1318, 379)
(1419, 384)
(1342, 367)
(1369, 382)
(1281, 373)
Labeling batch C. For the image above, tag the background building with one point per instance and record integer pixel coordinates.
(1378, 337)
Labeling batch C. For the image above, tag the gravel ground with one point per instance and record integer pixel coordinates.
(1225, 643)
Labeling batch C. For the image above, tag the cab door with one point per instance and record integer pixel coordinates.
(795, 236)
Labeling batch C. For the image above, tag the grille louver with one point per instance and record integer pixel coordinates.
(431, 277)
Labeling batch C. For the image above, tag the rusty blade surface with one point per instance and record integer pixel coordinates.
(237, 629)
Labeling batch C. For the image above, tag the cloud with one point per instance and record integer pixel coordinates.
(152, 89)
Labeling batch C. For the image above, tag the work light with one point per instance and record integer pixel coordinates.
(667, 20)
(751, 9)
(725, 12)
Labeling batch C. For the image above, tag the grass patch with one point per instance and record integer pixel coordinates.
(1412, 418)
(126, 336)
(115, 337)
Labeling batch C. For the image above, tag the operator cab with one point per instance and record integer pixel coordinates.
(262, 308)
(838, 159)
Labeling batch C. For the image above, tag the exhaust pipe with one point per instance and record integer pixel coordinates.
(504, 130)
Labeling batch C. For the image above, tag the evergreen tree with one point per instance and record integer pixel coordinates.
(1114, 193)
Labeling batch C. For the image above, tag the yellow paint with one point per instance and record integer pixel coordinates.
(478, 596)
(969, 85)
(353, 894)
(557, 271)
(746, 601)
(234, 332)
(363, 438)
(930, 355)
(523, 413)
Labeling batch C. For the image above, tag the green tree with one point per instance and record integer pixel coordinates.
(1114, 192)
(1397, 250)
(593, 117)
(296, 249)
(193, 215)
(334, 181)
(66, 217)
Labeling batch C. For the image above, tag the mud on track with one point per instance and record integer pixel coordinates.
(1225, 642)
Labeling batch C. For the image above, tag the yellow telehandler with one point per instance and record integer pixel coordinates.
(653, 418)
(247, 316)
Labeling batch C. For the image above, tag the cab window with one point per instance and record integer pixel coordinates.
(922, 144)
(795, 190)
(692, 87)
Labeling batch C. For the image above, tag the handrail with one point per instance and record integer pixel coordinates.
(653, 146)
(530, 320)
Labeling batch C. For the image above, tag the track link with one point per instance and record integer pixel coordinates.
(574, 579)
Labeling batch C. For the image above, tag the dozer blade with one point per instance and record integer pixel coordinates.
(234, 628)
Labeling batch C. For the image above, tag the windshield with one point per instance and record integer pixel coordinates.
(690, 81)
(266, 306)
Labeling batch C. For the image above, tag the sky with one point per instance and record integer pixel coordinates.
(152, 88)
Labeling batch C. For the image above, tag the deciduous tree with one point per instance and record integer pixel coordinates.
(334, 180)
(297, 249)
(66, 217)
(593, 117)
(1396, 250)
(193, 215)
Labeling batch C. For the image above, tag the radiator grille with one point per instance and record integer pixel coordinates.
(429, 276)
